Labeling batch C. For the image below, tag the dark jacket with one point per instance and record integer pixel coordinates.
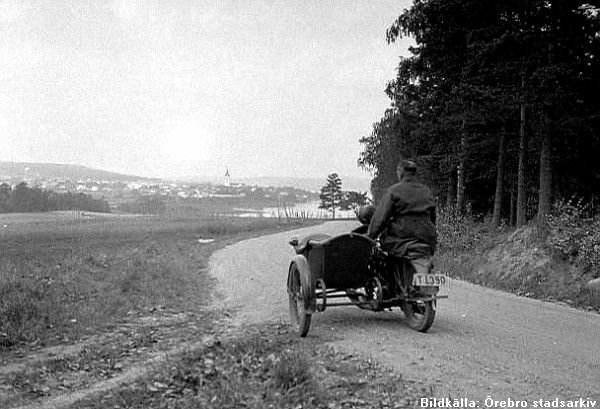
(405, 213)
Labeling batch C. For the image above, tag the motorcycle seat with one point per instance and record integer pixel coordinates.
(413, 250)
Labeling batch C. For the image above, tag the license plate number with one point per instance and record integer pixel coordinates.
(429, 279)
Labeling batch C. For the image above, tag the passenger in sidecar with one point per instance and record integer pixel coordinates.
(365, 213)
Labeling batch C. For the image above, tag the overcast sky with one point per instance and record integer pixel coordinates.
(173, 88)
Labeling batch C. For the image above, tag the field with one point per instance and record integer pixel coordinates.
(66, 274)
(115, 311)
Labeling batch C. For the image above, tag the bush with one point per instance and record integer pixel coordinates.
(457, 231)
(575, 233)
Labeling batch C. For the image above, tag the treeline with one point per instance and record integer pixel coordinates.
(498, 104)
(23, 199)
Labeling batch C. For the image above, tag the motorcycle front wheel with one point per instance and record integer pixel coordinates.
(419, 314)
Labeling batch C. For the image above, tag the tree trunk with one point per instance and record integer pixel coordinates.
(460, 173)
(512, 206)
(451, 190)
(545, 188)
(499, 182)
(521, 202)
(333, 206)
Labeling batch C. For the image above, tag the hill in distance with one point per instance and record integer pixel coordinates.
(25, 170)
(30, 170)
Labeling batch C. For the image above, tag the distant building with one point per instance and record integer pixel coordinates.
(227, 181)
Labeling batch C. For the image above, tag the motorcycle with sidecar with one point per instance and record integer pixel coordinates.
(354, 267)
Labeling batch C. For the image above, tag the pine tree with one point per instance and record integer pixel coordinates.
(331, 193)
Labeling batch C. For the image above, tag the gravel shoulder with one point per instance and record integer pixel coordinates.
(483, 342)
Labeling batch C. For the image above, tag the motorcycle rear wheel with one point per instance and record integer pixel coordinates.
(419, 315)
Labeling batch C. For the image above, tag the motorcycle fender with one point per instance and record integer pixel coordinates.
(307, 282)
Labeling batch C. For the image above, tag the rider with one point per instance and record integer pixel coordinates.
(406, 213)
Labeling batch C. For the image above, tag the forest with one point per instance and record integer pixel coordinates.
(498, 103)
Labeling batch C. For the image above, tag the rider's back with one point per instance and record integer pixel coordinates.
(409, 210)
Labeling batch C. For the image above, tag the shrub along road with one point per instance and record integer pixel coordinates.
(483, 342)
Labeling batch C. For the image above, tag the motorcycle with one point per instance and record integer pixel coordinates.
(353, 265)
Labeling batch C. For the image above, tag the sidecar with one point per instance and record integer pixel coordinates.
(327, 267)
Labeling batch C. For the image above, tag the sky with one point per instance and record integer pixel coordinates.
(174, 88)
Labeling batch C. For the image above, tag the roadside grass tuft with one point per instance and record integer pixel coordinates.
(291, 370)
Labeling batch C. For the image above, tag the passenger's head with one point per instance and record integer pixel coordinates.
(406, 168)
(365, 213)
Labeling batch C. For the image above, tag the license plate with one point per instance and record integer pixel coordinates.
(429, 279)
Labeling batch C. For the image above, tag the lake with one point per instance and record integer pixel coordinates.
(307, 210)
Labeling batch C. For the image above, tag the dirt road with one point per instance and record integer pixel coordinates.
(482, 343)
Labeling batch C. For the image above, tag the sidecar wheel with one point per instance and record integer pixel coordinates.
(419, 315)
(299, 317)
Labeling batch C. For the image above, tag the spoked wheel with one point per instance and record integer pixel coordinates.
(419, 314)
(300, 318)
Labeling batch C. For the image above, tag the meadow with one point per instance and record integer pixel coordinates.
(116, 292)
(67, 274)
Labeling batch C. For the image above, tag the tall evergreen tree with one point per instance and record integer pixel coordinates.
(331, 193)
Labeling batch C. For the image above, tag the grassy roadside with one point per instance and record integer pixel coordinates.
(61, 280)
(516, 261)
(264, 367)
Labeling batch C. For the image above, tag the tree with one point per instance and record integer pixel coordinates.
(20, 198)
(331, 193)
(352, 200)
(382, 151)
(5, 193)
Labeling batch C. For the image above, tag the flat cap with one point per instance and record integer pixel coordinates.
(408, 166)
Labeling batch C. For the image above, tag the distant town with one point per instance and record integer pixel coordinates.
(121, 189)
